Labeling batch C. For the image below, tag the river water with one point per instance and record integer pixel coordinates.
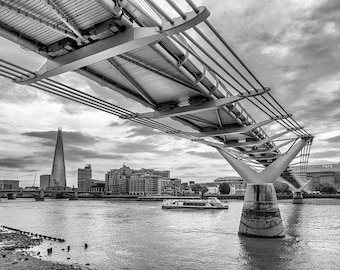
(140, 235)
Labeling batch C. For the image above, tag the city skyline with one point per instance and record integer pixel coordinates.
(292, 48)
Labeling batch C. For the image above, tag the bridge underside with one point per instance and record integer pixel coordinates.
(191, 82)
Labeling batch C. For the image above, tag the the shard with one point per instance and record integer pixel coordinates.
(58, 175)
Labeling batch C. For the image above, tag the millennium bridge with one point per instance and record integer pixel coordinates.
(167, 56)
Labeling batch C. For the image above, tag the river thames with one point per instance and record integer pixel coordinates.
(140, 235)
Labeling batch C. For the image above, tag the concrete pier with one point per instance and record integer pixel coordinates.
(11, 196)
(74, 197)
(40, 197)
(297, 197)
(261, 214)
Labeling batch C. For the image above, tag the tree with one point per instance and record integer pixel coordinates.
(326, 189)
(224, 188)
(203, 190)
(281, 188)
(196, 188)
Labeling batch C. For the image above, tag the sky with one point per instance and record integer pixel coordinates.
(292, 46)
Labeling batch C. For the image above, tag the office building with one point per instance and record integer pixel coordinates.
(85, 178)
(171, 186)
(97, 185)
(118, 180)
(9, 184)
(325, 174)
(137, 185)
(165, 174)
(45, 180)
(145, 184)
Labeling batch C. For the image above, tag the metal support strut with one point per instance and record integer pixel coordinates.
(261, 214)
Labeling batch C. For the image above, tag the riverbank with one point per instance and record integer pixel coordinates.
(14, 254)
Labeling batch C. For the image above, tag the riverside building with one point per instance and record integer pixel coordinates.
(237, 184)
(325, 174)
(118, 181)
(172, 186)
(84, 178)
(9, 184)
(145, 184)
(45, 180)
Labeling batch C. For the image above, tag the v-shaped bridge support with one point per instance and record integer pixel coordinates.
(261, 214)
(269, 174)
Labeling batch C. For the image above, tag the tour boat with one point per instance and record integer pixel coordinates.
(210, 203)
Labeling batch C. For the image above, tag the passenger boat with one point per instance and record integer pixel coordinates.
(210, 203)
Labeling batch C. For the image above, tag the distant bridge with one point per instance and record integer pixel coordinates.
(181, 68)
(40, 194)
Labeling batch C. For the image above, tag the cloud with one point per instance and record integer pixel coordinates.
(143, 131)
(209, 155)
(319, 107)
(4, 131)
(69, 137)
(22, 162)
(328, 11)
(16, 162)
(78, 154)
(325, 155)
(142, 146)
(333, 140)
(185, 167)
(10, 92)
(134, 129)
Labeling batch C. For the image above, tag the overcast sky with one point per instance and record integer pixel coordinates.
(292, 46)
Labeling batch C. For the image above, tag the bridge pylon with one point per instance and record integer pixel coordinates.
(297, 197)
(261, 214)
(11, 196)
(74, 197)
(297, 193)
(40, 196)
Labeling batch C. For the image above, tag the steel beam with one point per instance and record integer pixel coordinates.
(269, 150)
(38, 20)
(207, 106)
(252, 143)
(130, 39)
(158, 72)
(134, 82)
(240, 130)
(106, 82)
(271, 157)
(199, 120)
(182, 24)
(56, 11)
(20, 39)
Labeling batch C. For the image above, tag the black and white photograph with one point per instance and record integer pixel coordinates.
(169, 134)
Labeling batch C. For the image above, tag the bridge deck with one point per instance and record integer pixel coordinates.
(166, 56)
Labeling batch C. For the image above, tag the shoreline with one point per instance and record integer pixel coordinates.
(14, 254)
(280, 196)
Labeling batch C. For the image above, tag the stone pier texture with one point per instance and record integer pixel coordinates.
(261, 214)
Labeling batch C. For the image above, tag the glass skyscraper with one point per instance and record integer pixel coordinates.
(58, 175)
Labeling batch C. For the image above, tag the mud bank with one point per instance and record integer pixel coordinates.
(14, 254)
